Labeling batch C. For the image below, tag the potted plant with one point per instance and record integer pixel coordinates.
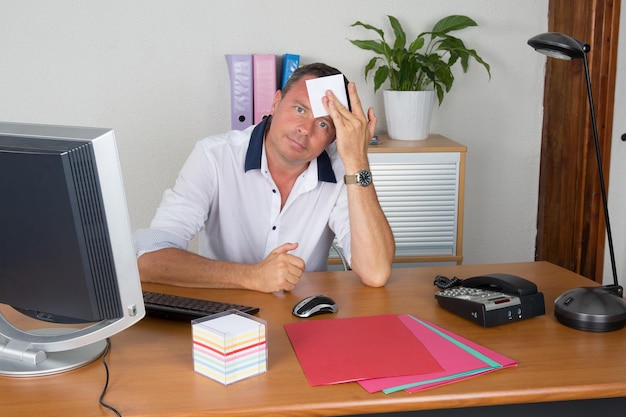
(424, 66)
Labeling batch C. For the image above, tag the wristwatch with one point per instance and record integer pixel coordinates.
(362, 178)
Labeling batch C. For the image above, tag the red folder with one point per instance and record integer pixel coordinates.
(333, 351)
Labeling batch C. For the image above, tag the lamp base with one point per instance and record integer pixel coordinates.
(593, 309)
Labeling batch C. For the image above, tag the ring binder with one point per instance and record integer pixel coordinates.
(241, 90)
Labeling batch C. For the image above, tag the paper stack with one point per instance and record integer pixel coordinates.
(388, 353)
(229, 346)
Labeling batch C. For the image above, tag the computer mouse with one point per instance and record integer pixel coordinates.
(313, 305)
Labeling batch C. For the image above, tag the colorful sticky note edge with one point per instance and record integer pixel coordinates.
(229, 346)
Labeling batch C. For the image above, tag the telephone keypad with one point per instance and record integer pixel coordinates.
(467, 293)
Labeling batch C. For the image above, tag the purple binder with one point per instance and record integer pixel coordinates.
(241, 90)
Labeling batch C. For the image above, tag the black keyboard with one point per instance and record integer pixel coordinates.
(176, 307)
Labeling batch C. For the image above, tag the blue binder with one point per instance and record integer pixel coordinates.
(291, 62)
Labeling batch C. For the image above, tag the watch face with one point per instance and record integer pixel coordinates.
(364, 178)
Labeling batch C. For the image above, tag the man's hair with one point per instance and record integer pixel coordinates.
(317, 69)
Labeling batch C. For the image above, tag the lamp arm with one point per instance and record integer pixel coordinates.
(600, 171)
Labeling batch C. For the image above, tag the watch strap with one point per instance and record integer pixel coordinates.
(362, 178)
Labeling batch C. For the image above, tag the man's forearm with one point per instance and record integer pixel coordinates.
(372, 242)
(186, 269)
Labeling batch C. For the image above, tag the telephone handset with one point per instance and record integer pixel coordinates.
(491, 299)
(509, 284)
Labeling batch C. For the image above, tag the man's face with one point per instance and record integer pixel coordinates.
(294, 134)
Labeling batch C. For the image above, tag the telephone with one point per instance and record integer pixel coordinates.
(492, 299)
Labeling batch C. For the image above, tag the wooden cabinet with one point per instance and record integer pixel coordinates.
(420, 185)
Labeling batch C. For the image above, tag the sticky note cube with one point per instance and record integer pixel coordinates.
(229, 346)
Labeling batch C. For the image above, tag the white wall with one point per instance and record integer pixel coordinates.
(154, 70)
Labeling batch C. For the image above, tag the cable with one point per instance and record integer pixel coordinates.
(445, 282)
(106, 351)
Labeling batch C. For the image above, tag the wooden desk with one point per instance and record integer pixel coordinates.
(152, 374)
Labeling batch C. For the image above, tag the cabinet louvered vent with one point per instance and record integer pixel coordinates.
(419, 194)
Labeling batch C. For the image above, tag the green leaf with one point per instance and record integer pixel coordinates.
(480, 61)
(398, 32)
(440, 93)
(464, 60)
(417, 44)
(454, 22)
(380, 76)
(370, 27)
(370, 65)
(370, 45)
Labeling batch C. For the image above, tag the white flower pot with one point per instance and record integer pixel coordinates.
(408, 113)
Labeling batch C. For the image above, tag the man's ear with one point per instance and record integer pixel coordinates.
(277, 97)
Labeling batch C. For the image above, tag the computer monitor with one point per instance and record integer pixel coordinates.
(66, 253)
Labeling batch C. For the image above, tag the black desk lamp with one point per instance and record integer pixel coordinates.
(601, 308)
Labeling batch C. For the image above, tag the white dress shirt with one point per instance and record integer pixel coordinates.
(225, 193)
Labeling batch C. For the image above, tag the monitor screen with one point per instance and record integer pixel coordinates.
(66, 252)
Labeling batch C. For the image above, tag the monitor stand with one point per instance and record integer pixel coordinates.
(23, 354)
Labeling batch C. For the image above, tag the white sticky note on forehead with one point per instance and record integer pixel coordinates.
(317, 88)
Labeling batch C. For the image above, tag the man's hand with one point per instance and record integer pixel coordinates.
(280, 270)
(354, 130)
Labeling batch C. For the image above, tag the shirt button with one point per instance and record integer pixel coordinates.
(273, 227)
(274, 191)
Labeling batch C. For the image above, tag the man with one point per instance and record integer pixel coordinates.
(269, 200)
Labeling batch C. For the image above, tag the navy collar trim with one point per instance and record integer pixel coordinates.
(255, 150)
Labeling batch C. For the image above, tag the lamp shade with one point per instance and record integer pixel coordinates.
(558, 45)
